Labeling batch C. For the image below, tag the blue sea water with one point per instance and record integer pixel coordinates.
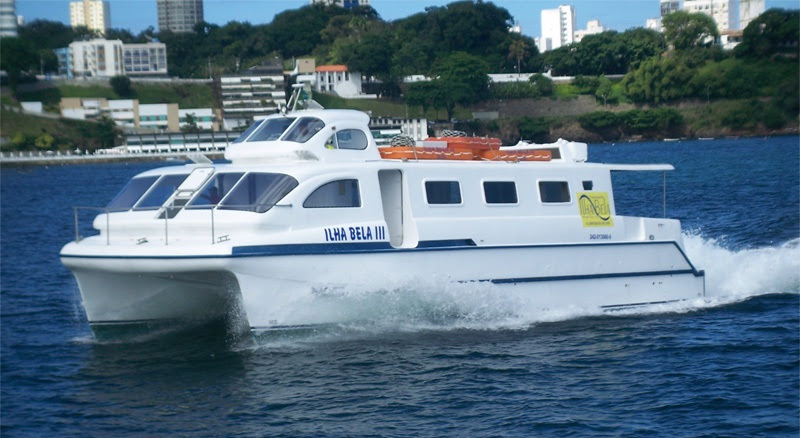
(443, 361)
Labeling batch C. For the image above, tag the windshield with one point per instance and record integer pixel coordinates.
(160, 192)
(131, 193)
(271, 129)
(247, 132)
(258, 192)
(304, 129)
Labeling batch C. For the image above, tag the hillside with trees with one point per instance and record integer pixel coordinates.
(753, 88)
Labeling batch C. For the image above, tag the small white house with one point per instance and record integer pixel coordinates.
(338, 80)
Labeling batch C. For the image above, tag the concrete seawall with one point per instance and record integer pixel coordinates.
(60, 160)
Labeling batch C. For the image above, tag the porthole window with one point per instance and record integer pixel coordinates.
(335, 194)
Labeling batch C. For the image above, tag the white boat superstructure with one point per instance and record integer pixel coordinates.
(310, 205)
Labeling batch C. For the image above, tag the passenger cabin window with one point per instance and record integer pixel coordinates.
(271, 129)
(336, 194)
(131, 193)
(500, 192)
(215, 190)
(161, 191)
(554, 191)
(248, 131)
(258, 192)
(348, 139)
(442, 192)
(588, 185)
(304, 129)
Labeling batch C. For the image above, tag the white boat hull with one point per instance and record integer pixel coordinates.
(292, 285)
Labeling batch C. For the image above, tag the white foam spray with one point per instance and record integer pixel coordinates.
(438, 304)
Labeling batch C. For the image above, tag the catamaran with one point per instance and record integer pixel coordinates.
(309, 204)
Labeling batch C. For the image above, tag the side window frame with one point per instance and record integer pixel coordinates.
(446, 204)
(345, 180)
(500, 204)
(553, 203)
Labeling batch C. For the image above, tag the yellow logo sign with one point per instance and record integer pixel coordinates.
(595, 209)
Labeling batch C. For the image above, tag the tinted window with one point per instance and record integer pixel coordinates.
(131, 193)
(587, 185)
(500, 192)
(443, 192)
(554, 191)
(304, 129)
(337, 194)
(247, 132)
(271, 129)
(216, 189)
(161, 191)
(259, 192)
(351, 139)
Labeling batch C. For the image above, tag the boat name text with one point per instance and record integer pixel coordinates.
(357, 233)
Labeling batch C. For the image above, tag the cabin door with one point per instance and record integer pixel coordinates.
(391, 182)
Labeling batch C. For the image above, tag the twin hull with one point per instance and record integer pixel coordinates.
(290, 285)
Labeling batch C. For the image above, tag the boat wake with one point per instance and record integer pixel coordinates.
(431, 304)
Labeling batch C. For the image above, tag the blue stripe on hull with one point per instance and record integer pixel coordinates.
(301, 249)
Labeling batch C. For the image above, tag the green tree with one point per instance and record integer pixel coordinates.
(44, 141)
(658, 80)
(542, 85)
(191, 124)
(121, 85)
(17, 56)
(776, 31)
(465, 76)
(684, 30)
(518, 51)
(534, 129)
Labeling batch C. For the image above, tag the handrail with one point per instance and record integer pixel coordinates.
(107, 211)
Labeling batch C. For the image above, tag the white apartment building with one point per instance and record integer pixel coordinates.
(669, 6)
(749, 10)
(255, 92)
(724, 12)
(132, 116)
(347, 4)
(592, 27)
(653, 24)
(204, 118)
(145, 59)
(94, 14)
(558, 27)
(96, 58)
(8, 19)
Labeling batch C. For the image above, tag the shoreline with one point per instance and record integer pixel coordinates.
(61, 160)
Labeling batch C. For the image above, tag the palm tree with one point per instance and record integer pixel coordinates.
(518, 50)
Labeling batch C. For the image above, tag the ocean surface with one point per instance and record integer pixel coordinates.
(440, 360)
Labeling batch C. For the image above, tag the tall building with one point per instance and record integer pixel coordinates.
(96, 58)
(94, 14)
(8, 18)
(722, 11)
(253, 93)
(347, 4)
(749, 10)
(592, 27)
(179, 15)
(149, 59)
(668, 6)
(558, 27)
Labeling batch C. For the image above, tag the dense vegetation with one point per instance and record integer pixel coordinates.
(458, 44)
